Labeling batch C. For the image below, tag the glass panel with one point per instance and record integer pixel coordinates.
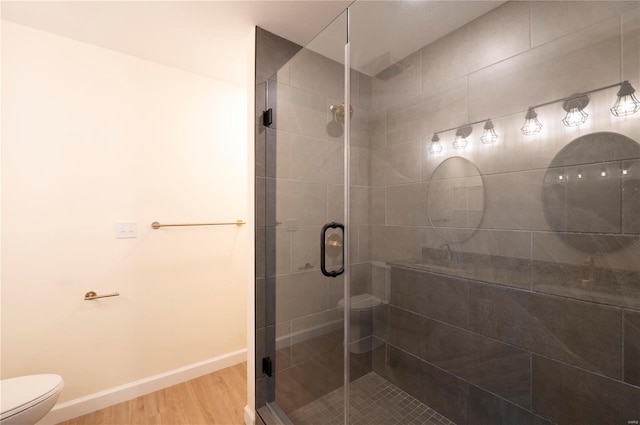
(304, 191)
(496, 230)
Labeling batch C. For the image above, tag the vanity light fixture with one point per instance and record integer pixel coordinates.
(626, 104)
(625, 172)
(574, 105)
(435, 147)
(489, 135)
(531, 125)
(460, 142)
(575, 110)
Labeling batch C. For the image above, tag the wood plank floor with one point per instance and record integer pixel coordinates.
(218, 398)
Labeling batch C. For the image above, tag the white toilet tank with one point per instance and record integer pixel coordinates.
(27, 399)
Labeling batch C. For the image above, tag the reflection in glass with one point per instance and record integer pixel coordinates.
(531, 125)
(597, 211)
(626, 104)
(455, 199)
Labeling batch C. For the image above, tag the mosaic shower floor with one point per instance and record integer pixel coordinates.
(374, 401)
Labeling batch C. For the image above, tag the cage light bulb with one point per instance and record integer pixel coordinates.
(531, 125)
(575, 117)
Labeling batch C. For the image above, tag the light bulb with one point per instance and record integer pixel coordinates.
(531, 124)
(575, 117)
(489, 135)
(626, 104)
(435, 147)
(460, 142)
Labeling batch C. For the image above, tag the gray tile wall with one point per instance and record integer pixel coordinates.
(505, 354)
(513, 325)
(474, 351)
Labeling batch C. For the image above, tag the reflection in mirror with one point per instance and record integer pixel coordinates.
(591, 193)
(455, 199)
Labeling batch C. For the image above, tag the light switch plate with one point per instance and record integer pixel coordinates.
(126, 229)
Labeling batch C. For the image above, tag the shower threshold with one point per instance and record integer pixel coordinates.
(374, 401)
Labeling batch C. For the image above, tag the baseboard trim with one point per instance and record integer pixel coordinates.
(83, 405)
(249, 416)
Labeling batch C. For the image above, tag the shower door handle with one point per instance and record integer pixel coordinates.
(323, 243)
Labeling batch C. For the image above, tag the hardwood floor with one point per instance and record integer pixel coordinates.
(218, 398)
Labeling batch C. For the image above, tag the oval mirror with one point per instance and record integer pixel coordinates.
(455, 199)
(591, 193)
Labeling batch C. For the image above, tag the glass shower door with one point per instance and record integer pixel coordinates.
(304, 231)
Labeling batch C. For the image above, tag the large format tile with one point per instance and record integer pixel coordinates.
(484, 408)
(278, 251)
(378, 129)
(278, 154)
(436, 296)
(299, 295)
(260, 303)
(396, 165)
(360, 205)
(360, 167)
(632, 347)
(437, 109)
(407, 205)
(261, 206)
(378, 205)
(631, 46)
(272, 52)
(305, 248)
(513, 201)
(316, 160)
(493, 37)
(399, 88)
(576, 332)
(298, 111)
(631, 197)
(261, 253)
(301, 384)
(554, 19)
(396, 243)
(499, 368)
(551, 71)
(303, 202)
(315, 73)
(405, 330)
(316, 334)
(568, 395)
(491, 242)
(590, 204)
(442, 391)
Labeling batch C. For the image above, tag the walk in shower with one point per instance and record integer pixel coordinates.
(485, 267)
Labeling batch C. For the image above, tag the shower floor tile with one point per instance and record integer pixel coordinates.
(374, 401)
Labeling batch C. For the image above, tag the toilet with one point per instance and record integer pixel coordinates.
(362, 309)
(27, 399)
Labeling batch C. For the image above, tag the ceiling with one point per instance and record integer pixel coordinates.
(212, 37)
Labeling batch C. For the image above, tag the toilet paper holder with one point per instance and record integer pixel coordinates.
(91, 295)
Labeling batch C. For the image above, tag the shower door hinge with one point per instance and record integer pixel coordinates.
(267, 117)
(267, 366)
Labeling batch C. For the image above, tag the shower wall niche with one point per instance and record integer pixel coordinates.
(489, 312)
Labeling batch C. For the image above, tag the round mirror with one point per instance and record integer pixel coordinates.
(455, 199)
(591, 193)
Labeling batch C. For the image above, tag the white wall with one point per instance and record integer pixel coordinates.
(90, 137)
